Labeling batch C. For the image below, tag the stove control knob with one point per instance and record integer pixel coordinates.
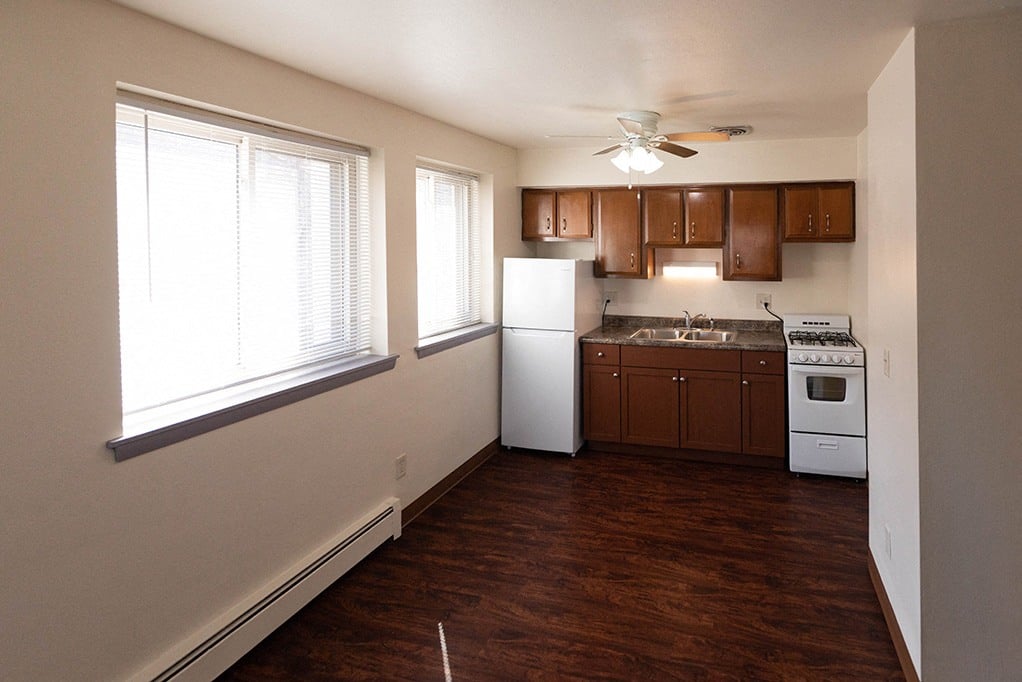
(848, 359)
(814, 358)
(802, 357)
(824, 358)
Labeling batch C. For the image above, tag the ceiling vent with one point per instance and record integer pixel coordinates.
(733, 131)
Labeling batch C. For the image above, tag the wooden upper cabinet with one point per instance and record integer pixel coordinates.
(662, 218)
(538, 214)
(620, 251)
(704, 217)
(752, 250)
(574, 214)
(683, 217)
(819, 212)
(552, 215)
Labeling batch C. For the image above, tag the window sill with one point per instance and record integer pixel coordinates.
(292, 390)
(442, 342)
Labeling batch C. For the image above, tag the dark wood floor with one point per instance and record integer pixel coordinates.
(605, 567)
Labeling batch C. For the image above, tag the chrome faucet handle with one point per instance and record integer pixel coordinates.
(688, 319)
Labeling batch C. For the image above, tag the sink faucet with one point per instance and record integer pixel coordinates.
(690, 322)
(688, 319)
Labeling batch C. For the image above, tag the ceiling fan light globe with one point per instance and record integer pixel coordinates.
(652, 163)
(639, 158)
(621, 160)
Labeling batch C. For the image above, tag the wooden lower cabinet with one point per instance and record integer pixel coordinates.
(727, 405)
(711, 410)
(649, 406)
(601, 397)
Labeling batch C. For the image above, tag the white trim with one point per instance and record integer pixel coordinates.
(215, 647)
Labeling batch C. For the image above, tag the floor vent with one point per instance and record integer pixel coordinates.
(230, 642)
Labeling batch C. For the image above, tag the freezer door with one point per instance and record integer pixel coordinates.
(540, 379)
(539, 293)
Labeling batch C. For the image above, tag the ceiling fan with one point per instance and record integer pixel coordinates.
(639, 137)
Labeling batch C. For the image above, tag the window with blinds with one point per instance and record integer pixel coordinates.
(447, 237)
(243, 253)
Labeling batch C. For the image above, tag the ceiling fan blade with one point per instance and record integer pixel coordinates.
(609, 149)
(676, 149)
(629, 127)
(698, 137)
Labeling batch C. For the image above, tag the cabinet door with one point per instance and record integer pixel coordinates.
(801, 219)
(601, 403)
(837, 213)
(661, 217)
(574, 215)
(763, 408)
(752, 250)
(538, 214)
(649, 406)
(704, 217)
(711, 410)
(619, 249)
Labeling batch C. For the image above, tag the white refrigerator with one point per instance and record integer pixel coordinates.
(548, 304)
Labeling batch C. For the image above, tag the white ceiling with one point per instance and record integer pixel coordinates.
(517, 70)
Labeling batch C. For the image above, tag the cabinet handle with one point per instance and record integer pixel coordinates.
(738, 261)
(762, 362)
(744, 382)
(615, 375)
(548, 223)
(810, 222)
(674, 378)
(674, 231)
(564, 224)
(692, 231)
(828, 222)
(632, 258)
(682, 379)
(599, 354)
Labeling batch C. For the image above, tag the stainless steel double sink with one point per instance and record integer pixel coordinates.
(676, 334)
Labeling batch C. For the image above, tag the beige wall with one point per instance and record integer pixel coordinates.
(969, 96)
(892, 402)
(107, 566)
(815, 276)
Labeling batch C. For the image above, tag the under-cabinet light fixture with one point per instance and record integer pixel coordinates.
(691, 269)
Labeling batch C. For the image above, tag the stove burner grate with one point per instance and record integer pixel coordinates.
(815, 338)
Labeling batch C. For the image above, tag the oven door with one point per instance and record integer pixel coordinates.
(827, 399)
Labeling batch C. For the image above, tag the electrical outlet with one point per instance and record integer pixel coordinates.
(887, 540)
(762, 299)
(887, 362)
(610, 296)
(401, 466)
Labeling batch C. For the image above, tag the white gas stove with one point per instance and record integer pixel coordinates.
(821, 340)
(826, 396)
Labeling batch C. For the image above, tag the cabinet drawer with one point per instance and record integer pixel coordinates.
(681, 358)
(763, 362)
(600, 354)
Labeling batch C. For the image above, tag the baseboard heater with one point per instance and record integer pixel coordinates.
(229, 642)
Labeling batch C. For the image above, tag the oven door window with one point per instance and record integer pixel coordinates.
(826, 389)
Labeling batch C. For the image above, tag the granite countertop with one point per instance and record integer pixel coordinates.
(762, 335)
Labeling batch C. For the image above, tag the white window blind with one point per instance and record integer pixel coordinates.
(242, 256)
(447, 216)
